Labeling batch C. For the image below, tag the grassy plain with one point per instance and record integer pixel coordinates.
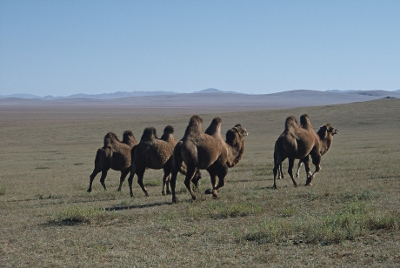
(350, 217)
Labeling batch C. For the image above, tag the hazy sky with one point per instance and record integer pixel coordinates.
(61, 48)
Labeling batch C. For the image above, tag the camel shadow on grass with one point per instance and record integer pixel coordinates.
(118, 208)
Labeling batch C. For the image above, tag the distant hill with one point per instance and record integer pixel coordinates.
(225, 100)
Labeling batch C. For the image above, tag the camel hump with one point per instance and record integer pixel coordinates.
(129, 138)
(109, 138)
(195, 125)
(169, 129)
(149, 133)
(214, 127)
(290, 123)
(168, 132)
(195, 120)
(305, 122)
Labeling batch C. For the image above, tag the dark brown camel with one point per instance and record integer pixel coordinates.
(153, 153)
(207, 150)
(115, 155)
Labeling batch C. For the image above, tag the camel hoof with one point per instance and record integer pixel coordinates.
(174, 200)
(208, 191)
(163, 193)
(89, 190)
(146, 193)
(308, 184)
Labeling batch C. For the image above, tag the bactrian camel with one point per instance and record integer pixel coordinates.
(207, 150)
(114, 155)
(300, 142)
(153, 153)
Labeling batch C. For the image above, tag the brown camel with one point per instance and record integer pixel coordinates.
(153, 153)
(295, 143)
(304, 123)
(207, 150)
(298, 142)
(115, 155)
(325, 134)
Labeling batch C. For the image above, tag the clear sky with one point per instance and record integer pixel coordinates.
(61, 48)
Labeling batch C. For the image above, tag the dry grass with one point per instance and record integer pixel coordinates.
(349, 217)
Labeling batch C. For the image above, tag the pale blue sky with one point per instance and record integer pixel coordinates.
(65, 47)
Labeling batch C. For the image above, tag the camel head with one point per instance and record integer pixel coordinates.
(149, 133)
(235, 141)
(326, 130)
(325, 134)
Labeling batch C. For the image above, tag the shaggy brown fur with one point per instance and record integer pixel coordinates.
(296, 143)
(153, 153)
(115, 155)
(207, 150)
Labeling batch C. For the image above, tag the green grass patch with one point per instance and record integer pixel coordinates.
(76, 215)
(154, 182)
(2, 190)
(347, 224)
(223, 210)
(42, 167)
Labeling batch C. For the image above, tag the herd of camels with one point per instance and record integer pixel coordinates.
(207, 150)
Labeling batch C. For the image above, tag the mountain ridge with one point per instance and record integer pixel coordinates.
(211, 98)
(128, 94)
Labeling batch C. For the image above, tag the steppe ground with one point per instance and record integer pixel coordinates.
(348, 218)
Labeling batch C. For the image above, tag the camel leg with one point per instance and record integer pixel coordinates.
(188, 179)
(277, 167)
(130, 180)
(196, 178)
(298, 168)
(167, 172)
(103, 177)
(173, 185)
(276, 170)
(280, 176)
(213, 178)
(221, 182)
(176, 165)
(316, 159)
(166, 184)
(290, 171)
(122, 178)
(306, 163)
(92, 176)
(140, 175)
